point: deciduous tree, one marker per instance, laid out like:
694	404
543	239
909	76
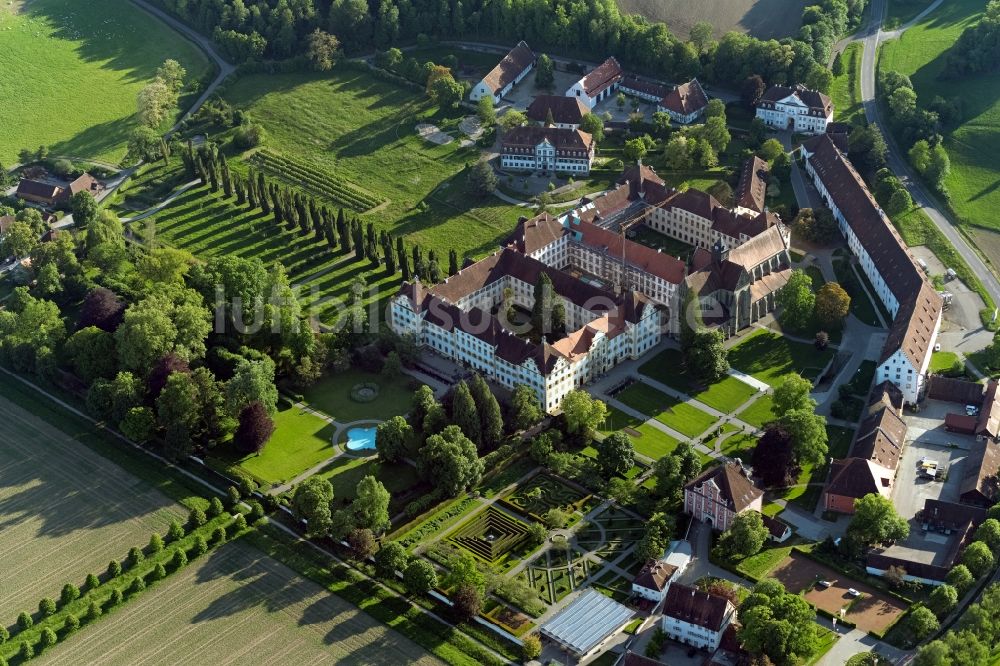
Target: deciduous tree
311	502
875	521
391	438
449	461
371	504
255	428
745	537
615	455
420	577
832	305
797	300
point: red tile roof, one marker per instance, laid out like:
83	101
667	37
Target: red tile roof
38	190
655	575
686	98
702	609
565	110
510	67
752	188
818	103
980	484
565	141
735	489
919	304
606	74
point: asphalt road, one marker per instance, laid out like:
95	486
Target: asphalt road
871	37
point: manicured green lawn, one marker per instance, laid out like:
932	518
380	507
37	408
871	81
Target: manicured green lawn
759	413
332	395
725	395
942	361
740	446
72	70
846	88
300	441
770	357
653	443
826	639
617	419
345	472
973	146
680	416
757	566
359	128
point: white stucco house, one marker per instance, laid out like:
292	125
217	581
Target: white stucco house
797	109
514	66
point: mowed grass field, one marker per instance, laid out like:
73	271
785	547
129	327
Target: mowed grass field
761	18
65	511
237	606
71	72
973	146
355	126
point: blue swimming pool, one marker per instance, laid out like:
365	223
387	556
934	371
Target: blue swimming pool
360	439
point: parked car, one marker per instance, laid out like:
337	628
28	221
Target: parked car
825	583
853	592
971	410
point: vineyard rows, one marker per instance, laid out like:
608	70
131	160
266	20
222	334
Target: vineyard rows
316	180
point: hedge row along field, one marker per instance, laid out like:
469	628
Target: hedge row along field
316	180
123	580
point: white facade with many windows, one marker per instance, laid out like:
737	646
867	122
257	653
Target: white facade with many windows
545	157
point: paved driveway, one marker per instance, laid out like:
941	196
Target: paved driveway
910	490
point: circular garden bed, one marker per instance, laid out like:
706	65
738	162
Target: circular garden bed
364	392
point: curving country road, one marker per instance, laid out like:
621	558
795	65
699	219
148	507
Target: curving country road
201	41
871	36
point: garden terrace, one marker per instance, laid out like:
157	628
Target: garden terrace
542	493
490	535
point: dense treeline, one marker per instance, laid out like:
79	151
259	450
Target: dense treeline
248	29
978	47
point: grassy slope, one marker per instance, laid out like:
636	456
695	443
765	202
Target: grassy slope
846	89
920	53
362	128
71	72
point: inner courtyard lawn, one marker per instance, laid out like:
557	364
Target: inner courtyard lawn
759	412
300	441
362	129
770	357
332	396
72	70
673	413
725	395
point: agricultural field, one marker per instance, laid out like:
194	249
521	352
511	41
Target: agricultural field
761	18
353	128
233	606
65	511
921	53
770	357
72	71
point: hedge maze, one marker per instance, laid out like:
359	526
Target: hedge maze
490	535
316	180
542	493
